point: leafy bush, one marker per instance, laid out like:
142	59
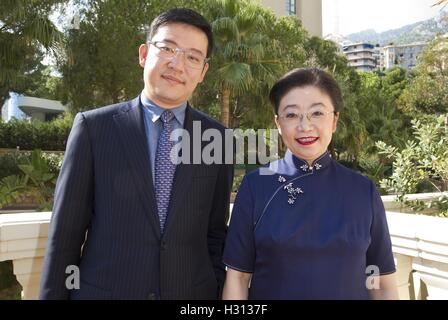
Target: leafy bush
9	161
374	167
424	160
36	178
54	161
36	135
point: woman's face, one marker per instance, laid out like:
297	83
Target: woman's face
306	121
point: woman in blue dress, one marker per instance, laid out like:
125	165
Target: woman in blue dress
307	227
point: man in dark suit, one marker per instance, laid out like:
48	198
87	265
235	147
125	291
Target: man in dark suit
137	225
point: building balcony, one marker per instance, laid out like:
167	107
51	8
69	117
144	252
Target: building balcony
367	64
38	108
351	57
419	243
359	49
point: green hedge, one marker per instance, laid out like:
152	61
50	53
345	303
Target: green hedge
36	135
9	162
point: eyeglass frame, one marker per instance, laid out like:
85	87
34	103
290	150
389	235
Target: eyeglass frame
176	51
307	115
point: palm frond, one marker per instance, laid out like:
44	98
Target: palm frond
236	76
440	2
225	29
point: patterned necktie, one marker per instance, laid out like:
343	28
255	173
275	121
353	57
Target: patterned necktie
164	167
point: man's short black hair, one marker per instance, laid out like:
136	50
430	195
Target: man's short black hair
186	16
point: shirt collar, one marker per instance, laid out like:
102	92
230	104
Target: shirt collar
156	111
303	166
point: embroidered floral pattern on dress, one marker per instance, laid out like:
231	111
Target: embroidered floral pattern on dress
293	193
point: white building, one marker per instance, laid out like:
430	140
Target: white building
378	55
22	107
10	108
360	56
405	56
308	11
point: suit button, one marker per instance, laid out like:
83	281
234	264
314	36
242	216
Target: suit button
152	296
163	245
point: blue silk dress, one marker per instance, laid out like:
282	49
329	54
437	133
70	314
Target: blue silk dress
308	232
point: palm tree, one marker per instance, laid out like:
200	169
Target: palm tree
441	2
245	58
24	28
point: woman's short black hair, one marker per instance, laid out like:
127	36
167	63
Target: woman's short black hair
186	16
306	77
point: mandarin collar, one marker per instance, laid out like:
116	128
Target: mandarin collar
321	162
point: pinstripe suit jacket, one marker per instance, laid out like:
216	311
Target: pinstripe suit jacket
105	219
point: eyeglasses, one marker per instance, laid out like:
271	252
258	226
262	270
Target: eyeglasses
193	59
314	117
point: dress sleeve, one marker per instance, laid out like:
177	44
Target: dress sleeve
239	251
379	252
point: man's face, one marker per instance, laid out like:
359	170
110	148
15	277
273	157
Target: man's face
169	82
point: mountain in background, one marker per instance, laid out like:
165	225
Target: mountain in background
419	31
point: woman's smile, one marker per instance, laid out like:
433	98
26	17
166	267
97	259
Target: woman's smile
306	141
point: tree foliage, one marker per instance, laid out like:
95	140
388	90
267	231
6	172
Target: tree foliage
35	178
25	31
246	59
424	159
100	64
428	92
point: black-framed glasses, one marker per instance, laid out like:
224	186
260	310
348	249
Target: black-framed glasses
193	59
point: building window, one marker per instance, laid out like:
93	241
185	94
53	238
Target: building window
290	7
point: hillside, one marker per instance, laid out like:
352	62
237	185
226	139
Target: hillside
419	31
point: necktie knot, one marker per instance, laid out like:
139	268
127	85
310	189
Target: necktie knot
167	116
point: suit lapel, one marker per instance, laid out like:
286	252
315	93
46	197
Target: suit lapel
130	125
184	172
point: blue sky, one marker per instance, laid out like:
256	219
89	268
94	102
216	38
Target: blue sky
380	15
